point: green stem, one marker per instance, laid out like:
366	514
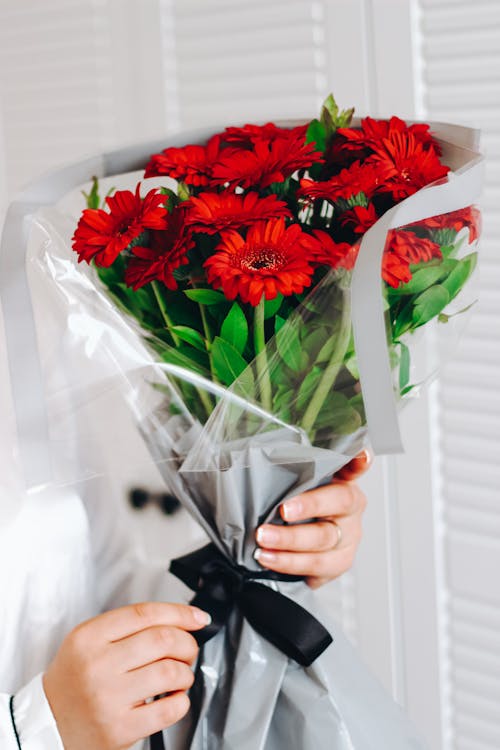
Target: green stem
259	339
208	337
327	379
164	311
205	400
204	396
206	327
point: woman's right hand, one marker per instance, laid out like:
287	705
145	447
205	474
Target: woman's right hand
107	667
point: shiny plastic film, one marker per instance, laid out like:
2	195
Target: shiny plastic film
246	387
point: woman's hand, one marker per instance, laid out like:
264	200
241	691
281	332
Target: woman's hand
107	667
312	549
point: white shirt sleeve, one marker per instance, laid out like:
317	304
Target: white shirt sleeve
30	717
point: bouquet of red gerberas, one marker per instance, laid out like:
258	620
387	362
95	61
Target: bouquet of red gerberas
259	294
223	266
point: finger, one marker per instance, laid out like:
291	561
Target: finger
310	537
119	623
165	676
337	499
329	564
152	644
153	717
356	467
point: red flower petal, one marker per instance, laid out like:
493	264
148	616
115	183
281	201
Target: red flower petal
268	162
404	165
358	178
272	259
101	236
190	164
168	250
212	212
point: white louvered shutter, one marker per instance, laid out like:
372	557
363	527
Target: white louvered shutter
55	84
70	85
239	60
461	55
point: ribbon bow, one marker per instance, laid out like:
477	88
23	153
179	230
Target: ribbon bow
221	585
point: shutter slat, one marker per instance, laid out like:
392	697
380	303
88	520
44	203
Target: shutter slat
56	83
248	61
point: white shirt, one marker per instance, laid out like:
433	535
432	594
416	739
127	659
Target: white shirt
64	558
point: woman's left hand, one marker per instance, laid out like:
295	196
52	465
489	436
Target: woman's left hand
313	550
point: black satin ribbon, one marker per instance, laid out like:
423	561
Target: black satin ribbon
221	585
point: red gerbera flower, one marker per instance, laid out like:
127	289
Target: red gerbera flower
190	164
102	236
372	132
250	134
272	259
395	269
359	218
333	254
267	162
465	217
212	212
358	178
403	249
405	166
167	251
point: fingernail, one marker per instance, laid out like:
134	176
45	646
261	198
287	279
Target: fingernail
367	456
267	536
201	616
292	509
263	556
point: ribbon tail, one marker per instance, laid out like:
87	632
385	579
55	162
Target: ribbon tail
284	623
214	600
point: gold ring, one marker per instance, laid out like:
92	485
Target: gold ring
339	534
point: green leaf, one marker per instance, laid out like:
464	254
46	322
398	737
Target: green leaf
227	362
445	318
459	275
271	306
332	118
429	304
180	358
407	390
421	280
290	348
205	296
93	199
279	322
183	191
235	328
338	415
314	338
352	365
404	366
316	133
173	199
404	320
191	335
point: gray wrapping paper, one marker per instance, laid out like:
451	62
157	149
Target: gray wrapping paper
248	695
